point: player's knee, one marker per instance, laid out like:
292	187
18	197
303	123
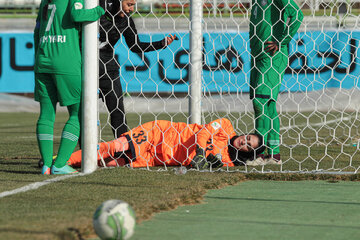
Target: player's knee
74	121
258	105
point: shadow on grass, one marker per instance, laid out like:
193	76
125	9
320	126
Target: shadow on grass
15	163
69	233
23	231
280	200
21	171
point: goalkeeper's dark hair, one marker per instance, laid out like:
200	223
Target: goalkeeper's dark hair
239	157
45	10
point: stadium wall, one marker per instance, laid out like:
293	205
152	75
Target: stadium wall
318	60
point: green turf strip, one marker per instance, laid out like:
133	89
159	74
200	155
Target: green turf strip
264	210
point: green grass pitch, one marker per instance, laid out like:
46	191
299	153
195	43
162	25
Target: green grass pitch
63	209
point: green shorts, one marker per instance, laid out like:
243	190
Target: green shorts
65	89
266	76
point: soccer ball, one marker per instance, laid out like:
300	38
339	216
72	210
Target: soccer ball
114	219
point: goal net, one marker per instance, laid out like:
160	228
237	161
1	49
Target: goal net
318	100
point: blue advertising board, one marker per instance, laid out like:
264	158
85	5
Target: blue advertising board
317	60
16	62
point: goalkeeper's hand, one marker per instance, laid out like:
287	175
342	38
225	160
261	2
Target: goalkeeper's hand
215	161
199	161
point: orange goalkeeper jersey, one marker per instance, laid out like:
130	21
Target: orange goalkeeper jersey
168	143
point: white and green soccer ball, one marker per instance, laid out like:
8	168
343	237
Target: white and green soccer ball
114	219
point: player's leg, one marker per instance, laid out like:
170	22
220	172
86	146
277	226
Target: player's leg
106	150
274	134
260	93
275	76
69	137
45	93
69	93
112	95
262	126
262	118
45	131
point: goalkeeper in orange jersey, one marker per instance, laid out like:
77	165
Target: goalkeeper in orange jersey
161	142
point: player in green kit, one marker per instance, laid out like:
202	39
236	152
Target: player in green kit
58	76
273	23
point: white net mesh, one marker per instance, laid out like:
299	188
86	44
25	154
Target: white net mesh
318	99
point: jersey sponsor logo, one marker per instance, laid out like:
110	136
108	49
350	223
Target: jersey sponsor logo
78	5
53	39
216	125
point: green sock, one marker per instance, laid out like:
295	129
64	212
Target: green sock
262	120
274	134
69	137
45	132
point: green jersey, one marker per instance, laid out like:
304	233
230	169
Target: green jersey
56	35
273	20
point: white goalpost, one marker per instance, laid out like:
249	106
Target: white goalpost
90	60
206	75
196	43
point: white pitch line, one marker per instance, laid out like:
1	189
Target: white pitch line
317	124
36	185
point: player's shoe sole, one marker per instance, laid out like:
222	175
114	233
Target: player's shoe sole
273	161
261	162
63	170
257	162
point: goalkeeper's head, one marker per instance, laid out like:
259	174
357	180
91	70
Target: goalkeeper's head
245	147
